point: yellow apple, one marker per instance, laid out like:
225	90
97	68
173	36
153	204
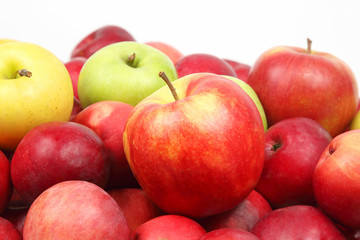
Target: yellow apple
6	40
35	87
355	122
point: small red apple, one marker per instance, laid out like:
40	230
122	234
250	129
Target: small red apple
200	63
76	109
74	66
100	38
5	182
241	69
229	234
169	50
8	230
174	227
57	151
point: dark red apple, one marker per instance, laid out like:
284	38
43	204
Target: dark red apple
57	151
136	206
74	210
229	234
8	230
5	182
241	69
100	38
202	62
74	67
292	149
174	227
108	119
297	222
243	216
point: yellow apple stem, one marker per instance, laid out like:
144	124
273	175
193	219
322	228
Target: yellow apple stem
131	59
309	45
22	73
168	82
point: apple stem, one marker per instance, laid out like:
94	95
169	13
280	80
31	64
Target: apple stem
131	59
22	73
167	81
309	45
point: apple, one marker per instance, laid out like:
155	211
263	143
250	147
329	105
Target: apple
336	179
241	69
296	82
174	227
125	72
244	216
76	109
173	53
297	222
100	38
203	62
355	122
5	182
212	129
292	149
62	151
35	87
75	210
136	206
74	66
8	230
6	40
229	234
252	94
107	119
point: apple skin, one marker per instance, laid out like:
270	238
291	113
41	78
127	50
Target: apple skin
292	149
355	122
203	62
136	206
107	119
298	220
108	76
26	102
244	216
75	210
5	182
336	179
241	69
63	151
172	147
174	227
74	66
100	38
293	83
76	109
229	234
173	53
8	230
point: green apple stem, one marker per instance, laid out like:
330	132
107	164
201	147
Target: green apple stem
168	82
131	59
22	73
309	45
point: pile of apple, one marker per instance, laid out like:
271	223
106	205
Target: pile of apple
130	140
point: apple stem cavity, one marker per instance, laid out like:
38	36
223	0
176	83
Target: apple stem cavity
168	82
131	60
309	45
23	73
275	147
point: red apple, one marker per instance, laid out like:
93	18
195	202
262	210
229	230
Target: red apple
8	230
76	109
292	149
201	62
295	82
242	70
174	227
336	180
5	182
74	210
244	216
169	50
107	119
74	66
100	38
57	151
16	217
136	206
201	154
229	234
297	222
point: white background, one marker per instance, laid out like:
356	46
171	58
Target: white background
238	30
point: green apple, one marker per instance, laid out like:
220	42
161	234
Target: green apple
35	87
124	71
252	94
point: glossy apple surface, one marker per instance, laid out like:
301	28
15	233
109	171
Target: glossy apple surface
172	147
110	75
5	182
229	234
337	179
8	230
173	53
100	38
74	66
241	69
291	82
292	149
63	151
74	210
42	92
203	62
